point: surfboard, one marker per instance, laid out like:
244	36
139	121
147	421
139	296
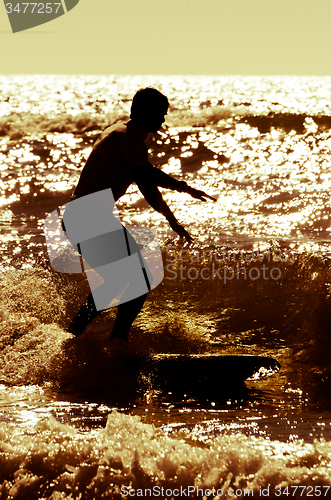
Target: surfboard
204	374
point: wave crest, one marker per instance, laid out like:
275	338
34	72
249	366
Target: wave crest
18	126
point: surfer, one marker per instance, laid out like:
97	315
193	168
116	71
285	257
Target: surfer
118	158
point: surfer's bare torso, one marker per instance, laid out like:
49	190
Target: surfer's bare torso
118	149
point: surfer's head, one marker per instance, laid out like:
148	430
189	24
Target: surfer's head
148	109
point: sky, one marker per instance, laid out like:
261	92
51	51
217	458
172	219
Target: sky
196	37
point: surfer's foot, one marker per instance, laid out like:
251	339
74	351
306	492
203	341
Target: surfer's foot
85	315
121	330
76	329
118	336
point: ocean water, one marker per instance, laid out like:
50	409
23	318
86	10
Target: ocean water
77	420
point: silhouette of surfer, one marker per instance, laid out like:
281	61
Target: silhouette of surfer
119	158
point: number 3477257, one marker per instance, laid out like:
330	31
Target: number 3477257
33	8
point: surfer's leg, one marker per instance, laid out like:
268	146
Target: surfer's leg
127	311
114	245
126	314
85	315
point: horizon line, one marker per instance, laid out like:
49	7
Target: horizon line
170	75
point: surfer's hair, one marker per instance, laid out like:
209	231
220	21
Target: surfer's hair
147	101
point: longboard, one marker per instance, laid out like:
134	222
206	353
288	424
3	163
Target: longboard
205	374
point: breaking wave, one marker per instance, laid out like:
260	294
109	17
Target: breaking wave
287	317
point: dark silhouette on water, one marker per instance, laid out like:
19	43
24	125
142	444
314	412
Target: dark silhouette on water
119	158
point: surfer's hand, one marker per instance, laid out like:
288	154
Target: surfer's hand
199	195
180	230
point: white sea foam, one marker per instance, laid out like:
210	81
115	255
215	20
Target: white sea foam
53	460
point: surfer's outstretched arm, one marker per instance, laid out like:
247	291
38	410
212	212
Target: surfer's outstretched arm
152	195
164	180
